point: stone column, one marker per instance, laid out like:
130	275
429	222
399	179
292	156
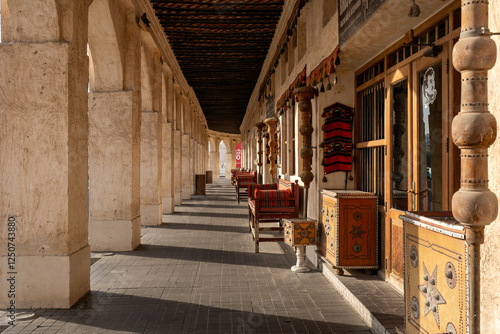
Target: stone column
151	129
474	131
168	189
178	146
44	168
229	159
186	149
214	161
114	136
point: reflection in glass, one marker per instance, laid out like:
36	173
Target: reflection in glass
400	145
430	139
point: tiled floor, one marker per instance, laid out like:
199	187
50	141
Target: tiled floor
197	273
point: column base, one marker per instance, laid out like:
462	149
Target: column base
301	266
186	192
151	214
178	198
114	235
46	281
168	205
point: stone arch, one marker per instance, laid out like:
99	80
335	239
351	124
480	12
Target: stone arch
106	72
212	142
223	162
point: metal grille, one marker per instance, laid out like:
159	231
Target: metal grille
371	160
371	170
372	112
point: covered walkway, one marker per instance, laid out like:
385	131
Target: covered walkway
197	273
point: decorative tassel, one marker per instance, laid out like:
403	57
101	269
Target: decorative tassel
314	82
322	89
325	179
328	85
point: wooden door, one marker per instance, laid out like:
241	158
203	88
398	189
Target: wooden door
418	163
398	168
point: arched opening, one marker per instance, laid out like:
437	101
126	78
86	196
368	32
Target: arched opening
222	159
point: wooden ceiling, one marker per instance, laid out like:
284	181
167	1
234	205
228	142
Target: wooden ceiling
220	46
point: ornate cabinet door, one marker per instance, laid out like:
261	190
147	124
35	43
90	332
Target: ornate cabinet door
435	255
349	229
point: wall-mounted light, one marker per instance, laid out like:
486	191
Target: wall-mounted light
414	10
144	19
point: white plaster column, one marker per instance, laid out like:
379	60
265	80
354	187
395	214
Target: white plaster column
114	134
178	146
43	145
168	189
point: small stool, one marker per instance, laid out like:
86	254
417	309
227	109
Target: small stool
300	232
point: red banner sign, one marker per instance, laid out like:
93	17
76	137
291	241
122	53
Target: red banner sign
238	155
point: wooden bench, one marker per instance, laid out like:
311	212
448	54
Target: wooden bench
243	180
270	203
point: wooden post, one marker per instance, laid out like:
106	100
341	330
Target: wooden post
473	131
259	126
271	129
303	96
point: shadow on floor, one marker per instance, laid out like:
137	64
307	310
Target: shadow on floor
205	227
211	206
210	214
137	314
190	254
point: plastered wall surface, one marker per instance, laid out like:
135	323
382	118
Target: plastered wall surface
43	109
490	263
110	149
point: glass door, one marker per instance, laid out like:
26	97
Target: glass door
431	132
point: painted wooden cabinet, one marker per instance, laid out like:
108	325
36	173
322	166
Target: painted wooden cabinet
435	257
348	230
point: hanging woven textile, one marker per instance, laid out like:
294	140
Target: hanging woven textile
337	144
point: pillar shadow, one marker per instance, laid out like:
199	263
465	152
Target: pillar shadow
130	313
268	260
205	227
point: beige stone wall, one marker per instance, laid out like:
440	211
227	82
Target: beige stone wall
490	267
316	40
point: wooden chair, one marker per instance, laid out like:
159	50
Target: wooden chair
270	203
233	174
243	181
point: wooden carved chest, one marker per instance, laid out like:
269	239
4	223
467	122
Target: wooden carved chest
348	229
435	255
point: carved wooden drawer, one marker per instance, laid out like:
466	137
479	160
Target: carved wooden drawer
299	231
348	229
435	255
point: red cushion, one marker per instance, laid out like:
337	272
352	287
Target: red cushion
278	210
244	177
275	198
252	191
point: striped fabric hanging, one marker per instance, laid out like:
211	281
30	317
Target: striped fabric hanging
337	144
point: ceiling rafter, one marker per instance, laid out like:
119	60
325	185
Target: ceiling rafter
220	46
